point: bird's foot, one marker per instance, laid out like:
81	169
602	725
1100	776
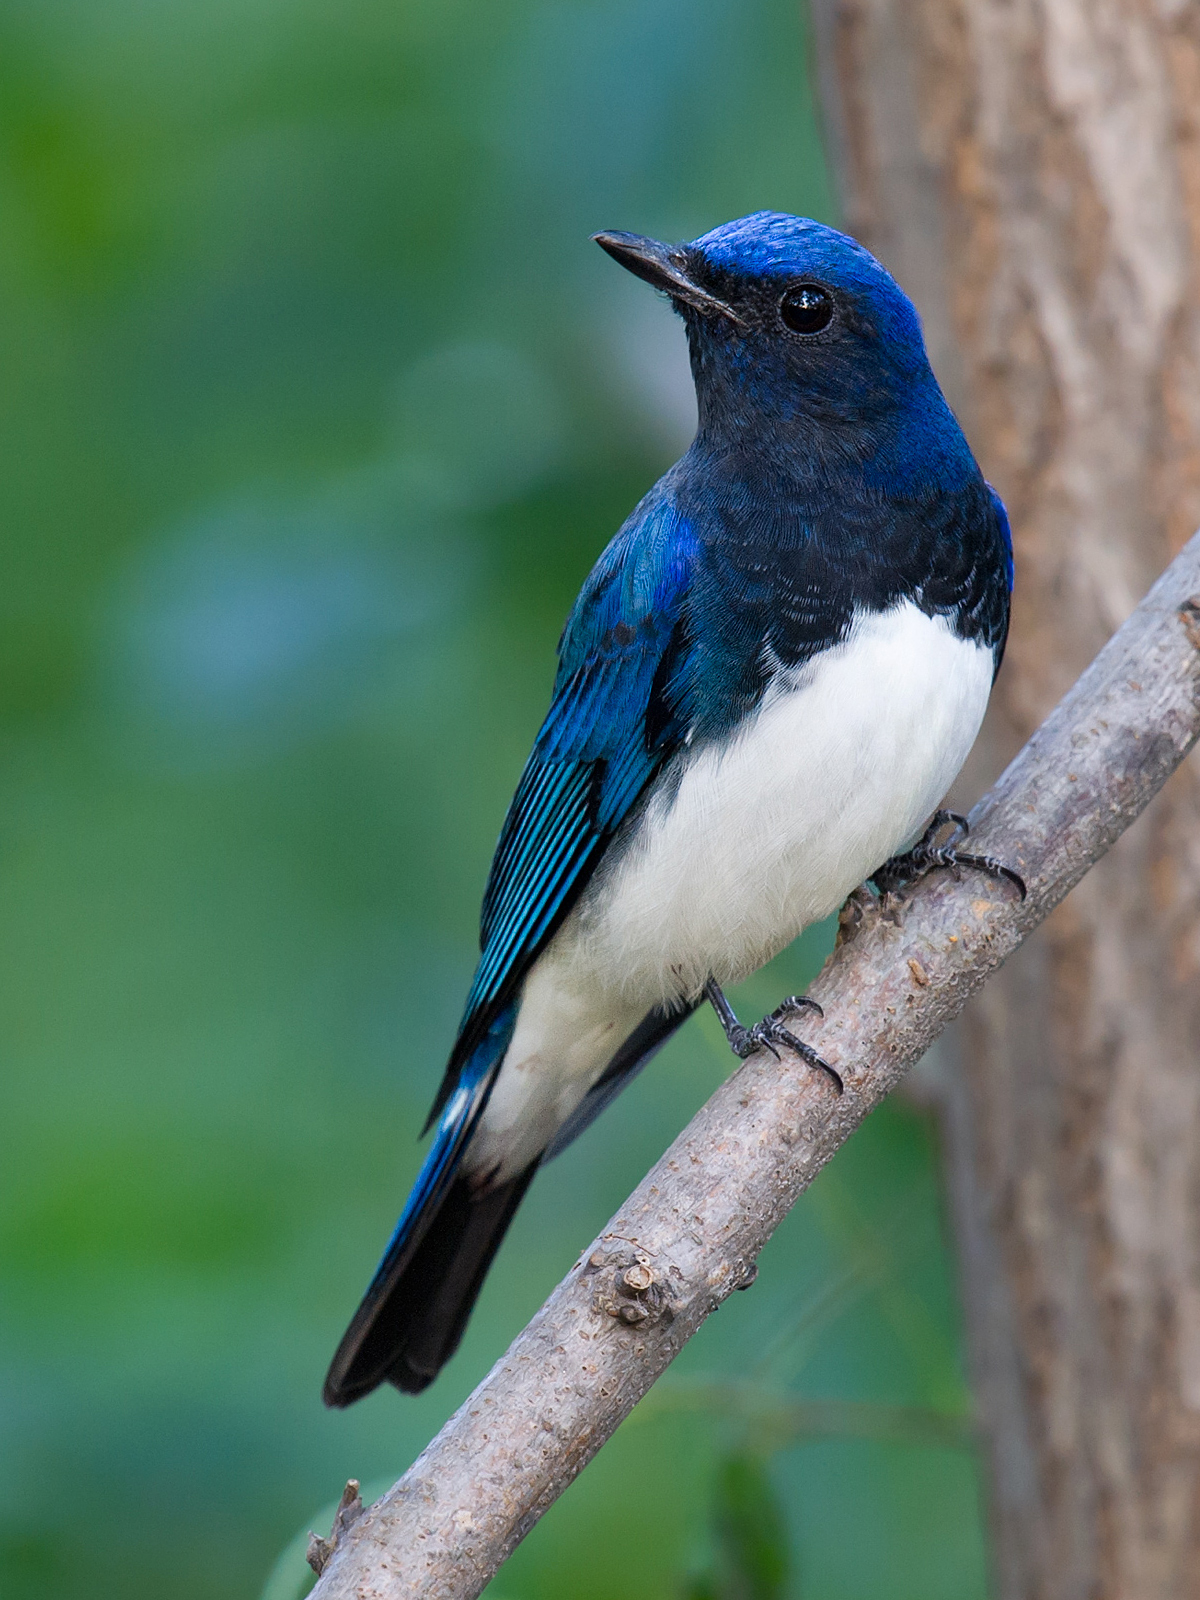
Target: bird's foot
770	1031
925	855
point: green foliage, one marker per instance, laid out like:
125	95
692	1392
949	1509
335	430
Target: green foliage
750	1529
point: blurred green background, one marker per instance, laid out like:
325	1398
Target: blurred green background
317	405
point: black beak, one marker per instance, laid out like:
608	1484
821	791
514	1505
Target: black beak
665	266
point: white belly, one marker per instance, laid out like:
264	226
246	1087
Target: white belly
759	838
833	774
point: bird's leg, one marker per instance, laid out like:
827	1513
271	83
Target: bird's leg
925	855
770	1031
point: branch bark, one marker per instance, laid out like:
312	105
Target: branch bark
689	1234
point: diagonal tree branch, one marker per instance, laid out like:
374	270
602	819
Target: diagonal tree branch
689	1234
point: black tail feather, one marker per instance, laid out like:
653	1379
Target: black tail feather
410	1322
412	1316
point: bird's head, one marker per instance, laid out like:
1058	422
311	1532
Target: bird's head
789	320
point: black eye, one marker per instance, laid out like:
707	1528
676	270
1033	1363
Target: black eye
806	308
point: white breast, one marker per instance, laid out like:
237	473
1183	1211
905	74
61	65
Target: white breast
834	773
760	836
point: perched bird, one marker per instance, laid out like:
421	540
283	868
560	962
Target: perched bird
769	680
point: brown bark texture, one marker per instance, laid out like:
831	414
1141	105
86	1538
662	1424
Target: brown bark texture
1030	170
690	1233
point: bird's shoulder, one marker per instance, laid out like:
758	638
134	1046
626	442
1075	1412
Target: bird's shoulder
639	581
622	650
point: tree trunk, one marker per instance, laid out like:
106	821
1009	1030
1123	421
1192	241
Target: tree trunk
1030	169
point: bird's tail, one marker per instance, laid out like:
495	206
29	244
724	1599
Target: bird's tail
412	1317
416	1306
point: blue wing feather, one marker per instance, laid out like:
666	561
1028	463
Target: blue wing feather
458	1122
618	713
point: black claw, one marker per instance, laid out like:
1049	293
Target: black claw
925	855
768	1033
760	1039
993	868
796	1002
804	1051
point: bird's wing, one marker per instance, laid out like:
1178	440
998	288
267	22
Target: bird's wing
618	714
